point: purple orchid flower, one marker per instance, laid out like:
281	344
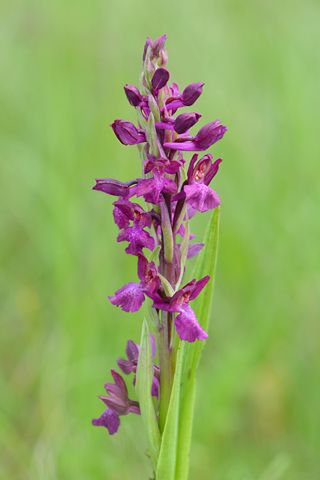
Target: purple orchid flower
130	365
162	164
151	188
186	323
196	190
131	296
207	136
125	211
138	239
188	97
118	403
175	196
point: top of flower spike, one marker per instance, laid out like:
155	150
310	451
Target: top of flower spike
155	46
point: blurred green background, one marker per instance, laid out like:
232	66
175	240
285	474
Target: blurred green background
63	68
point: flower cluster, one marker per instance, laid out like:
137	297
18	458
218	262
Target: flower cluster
172	195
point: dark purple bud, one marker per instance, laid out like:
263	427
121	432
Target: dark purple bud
209	134
126	132
160	78
149	42
158	45
191	93
112	187
185	121
133	95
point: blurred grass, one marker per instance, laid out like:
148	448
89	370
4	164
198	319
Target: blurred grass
63	66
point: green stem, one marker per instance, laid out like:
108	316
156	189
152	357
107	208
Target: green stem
165	369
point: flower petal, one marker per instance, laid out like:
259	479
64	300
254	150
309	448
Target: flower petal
130	297
108	419
188	327
201	197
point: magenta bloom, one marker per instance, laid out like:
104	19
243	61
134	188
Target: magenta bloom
137	238
125	211
189	96
151	188
186	323
207	136
196	190
132	295
118	403
173	190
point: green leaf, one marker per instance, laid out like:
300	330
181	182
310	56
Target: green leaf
154	256
166	286
168	451
151	135
143	390
205	265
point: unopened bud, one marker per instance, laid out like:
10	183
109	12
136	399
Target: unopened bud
158	45
209	134
126	132
160	78
133	95
185	121
191	93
